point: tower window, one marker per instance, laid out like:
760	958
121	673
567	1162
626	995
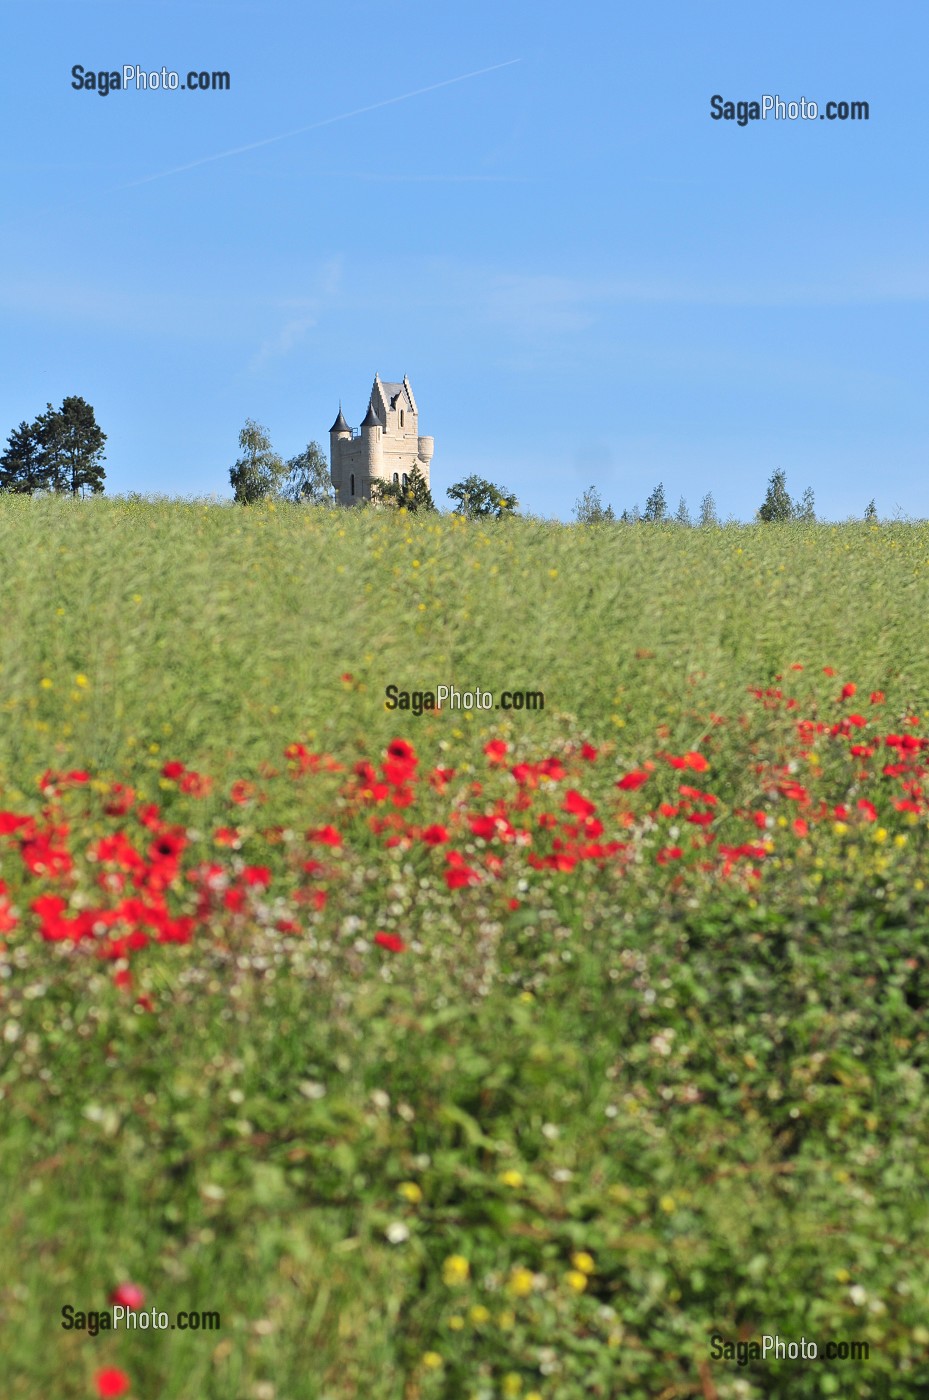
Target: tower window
396	479
353	483
401	418
405	479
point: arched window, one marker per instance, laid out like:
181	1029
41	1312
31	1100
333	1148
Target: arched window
396	479
353	483
405	479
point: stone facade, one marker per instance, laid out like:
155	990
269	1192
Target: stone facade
385	448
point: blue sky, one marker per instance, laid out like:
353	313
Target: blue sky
586	278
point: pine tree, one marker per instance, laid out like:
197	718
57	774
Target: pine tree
708	514
777	504
414	495
72	447
871	512
656	508
682	515
22	468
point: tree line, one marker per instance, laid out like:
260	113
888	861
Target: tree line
62	451
776	506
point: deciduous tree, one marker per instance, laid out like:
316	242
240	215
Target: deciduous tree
478	499
589	509
259	472
308	478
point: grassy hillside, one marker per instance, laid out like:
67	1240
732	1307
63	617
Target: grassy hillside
504	1053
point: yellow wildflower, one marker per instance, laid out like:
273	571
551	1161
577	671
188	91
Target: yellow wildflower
455	1270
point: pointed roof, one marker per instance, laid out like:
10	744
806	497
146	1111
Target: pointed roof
340	425
371	419
394	394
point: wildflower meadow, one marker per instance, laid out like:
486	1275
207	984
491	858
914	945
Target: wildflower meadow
544	1053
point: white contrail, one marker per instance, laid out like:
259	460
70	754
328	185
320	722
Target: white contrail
314	126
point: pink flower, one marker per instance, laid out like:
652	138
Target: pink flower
128	1295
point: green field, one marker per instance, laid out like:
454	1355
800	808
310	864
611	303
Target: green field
639	1056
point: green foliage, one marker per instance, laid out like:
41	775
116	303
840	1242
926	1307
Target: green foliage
22	468
61	451
308	479
412	495
656	508
478	499
777	505
589	509
259	473
805	508
682	515
708	514
871	512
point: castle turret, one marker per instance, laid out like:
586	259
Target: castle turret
338	433
425	447
371	449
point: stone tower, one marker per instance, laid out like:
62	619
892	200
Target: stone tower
385	448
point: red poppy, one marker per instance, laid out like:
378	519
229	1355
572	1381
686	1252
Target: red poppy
578	805
128	1295
668	853
588	752
435	835
196	784
256	875
460	876
848	690
174	769
398	771
402	750
496	750
391	942
325	836
111	1384
633	780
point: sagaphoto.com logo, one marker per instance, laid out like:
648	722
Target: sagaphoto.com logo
133	78
760	109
